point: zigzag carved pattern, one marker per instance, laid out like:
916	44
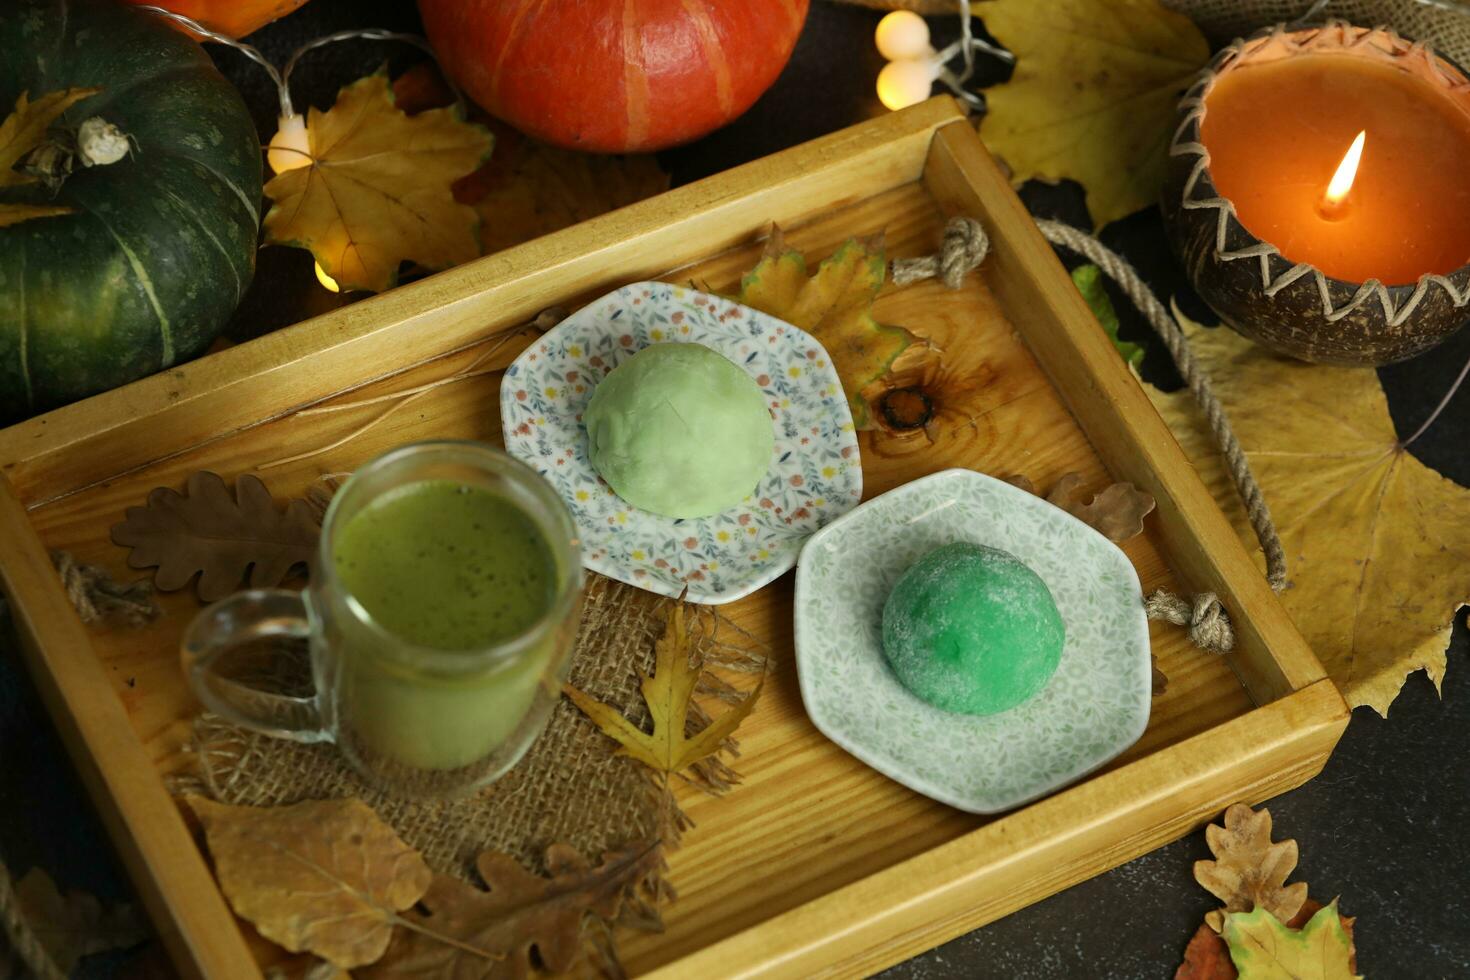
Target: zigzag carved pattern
1337	35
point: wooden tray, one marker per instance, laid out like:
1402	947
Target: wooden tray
815	864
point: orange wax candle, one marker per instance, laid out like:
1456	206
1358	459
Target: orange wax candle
1277	131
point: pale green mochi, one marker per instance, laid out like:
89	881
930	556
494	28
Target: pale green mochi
679	430
972	630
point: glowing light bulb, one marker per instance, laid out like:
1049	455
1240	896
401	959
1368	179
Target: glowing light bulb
290	148
326	280
1334	202
902	35
905	83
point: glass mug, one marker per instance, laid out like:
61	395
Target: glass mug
415	720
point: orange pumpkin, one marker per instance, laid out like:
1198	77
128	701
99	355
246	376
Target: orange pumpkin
233	17
614	76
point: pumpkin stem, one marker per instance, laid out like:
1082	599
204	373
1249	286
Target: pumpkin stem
95	143
99	142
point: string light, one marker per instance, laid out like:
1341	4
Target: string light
906	82
290	147
326	280
902	35
914	66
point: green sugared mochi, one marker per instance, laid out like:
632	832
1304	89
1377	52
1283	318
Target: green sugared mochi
679	430
972	630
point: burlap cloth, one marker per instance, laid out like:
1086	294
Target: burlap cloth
570	787
1443	24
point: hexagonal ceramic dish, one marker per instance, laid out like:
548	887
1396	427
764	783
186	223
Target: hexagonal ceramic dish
815	475
1094	706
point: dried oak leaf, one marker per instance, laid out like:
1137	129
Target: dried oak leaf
527	188
460	932
208	531
1376	542
76	924
1117	512
376	190
1249	871
1092	96
835	305
1262	948
326	877
20	133
1207	957
667	749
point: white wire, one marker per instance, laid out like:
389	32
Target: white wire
368	34
240	46
282	79
966	46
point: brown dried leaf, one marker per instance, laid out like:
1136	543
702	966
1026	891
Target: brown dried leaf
1022	483
1249	871
465	933
220	536
1160	679
76	924
1207	957
668	749
1117	512
326	877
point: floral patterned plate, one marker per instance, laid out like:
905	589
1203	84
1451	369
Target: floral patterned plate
1094	706
815	473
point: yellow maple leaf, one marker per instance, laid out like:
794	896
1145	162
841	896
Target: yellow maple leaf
14	214
1263	949
667	749
1093	94
23	130
377	189
1377	544
835	306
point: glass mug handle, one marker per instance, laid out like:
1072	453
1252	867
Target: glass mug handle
257	614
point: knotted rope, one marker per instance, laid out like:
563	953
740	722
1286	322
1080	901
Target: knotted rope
98	597
965	247
1209	624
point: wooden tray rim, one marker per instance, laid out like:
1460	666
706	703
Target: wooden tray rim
175	881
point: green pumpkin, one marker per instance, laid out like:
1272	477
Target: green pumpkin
162	243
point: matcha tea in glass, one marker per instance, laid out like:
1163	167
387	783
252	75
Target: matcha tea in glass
440	618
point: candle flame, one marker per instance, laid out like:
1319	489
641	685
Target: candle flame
1342	181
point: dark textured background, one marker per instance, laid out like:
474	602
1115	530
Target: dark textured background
1385	826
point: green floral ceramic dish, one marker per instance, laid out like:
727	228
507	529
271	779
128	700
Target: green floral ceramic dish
1092	709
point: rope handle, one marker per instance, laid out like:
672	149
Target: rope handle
965	246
